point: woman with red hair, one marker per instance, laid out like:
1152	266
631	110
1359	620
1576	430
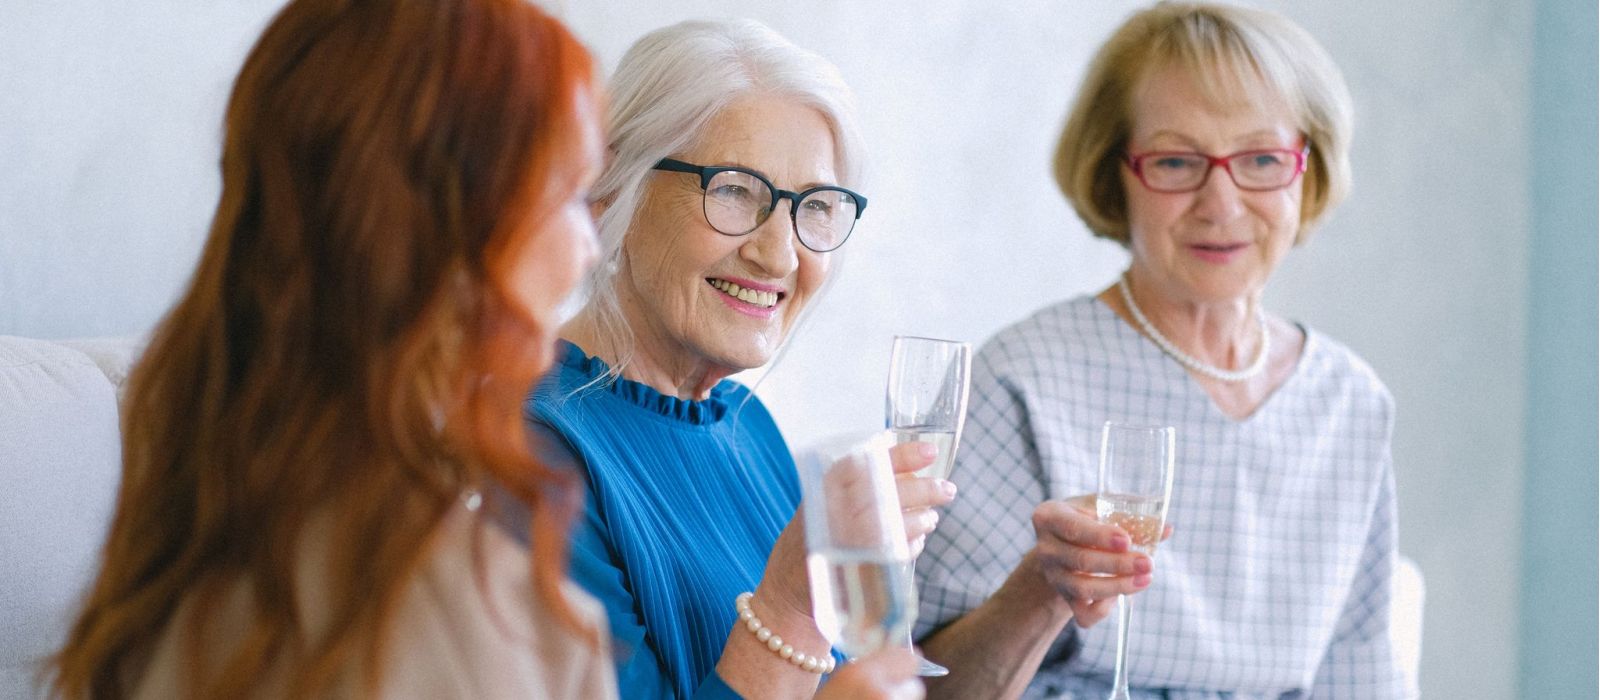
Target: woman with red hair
403	209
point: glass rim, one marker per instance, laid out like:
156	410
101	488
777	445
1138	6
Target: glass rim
900	336
1143	427
849	441
815	461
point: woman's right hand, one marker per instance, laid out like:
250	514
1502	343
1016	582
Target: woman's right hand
890	674
1088	562
786	582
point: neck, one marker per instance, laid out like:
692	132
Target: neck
667	367
1224	333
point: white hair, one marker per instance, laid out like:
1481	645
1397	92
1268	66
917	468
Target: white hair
667	88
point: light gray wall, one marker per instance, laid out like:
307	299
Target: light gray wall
109	127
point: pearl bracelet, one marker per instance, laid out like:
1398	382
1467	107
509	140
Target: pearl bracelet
813	664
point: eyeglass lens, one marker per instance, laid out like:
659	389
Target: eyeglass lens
1258	170
737	202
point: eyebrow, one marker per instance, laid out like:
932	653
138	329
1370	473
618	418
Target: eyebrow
803	186
1190	142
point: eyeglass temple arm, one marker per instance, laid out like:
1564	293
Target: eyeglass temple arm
677	166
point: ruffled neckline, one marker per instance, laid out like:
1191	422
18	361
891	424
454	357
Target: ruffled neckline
704	412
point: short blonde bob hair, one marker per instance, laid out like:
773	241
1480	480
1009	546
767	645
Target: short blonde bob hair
1236	56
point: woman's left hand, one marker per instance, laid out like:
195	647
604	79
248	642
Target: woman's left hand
919	495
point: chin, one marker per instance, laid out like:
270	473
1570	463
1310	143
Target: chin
744	354
751	359
1219	287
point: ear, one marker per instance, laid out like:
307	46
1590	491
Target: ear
599	206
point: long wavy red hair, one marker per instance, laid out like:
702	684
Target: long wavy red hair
347	348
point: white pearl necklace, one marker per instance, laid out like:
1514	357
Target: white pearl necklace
1188	360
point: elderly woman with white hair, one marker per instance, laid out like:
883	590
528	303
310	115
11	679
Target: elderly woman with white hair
721	212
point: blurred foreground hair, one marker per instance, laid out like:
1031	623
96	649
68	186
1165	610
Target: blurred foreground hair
347	352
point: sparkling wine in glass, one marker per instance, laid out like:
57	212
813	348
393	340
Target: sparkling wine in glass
856	543
1136	465
927	402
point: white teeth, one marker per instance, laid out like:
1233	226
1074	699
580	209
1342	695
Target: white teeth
748	296
758	298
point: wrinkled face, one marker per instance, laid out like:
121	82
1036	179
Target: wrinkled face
558	248
1220	242
698	296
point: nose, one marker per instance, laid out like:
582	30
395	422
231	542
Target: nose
1218	198
771	247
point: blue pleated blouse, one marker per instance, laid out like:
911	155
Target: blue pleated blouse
685	500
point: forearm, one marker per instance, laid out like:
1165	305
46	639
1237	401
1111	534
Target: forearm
995	650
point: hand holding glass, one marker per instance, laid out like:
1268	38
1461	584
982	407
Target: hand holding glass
927	402
1136	466
856	543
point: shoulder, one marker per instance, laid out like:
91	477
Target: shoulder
572	407
466	623
745	407
471	622
1049	336
1336	368
1341	385
569	385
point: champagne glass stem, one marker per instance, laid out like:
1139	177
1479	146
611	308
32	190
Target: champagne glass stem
1119	686
925	668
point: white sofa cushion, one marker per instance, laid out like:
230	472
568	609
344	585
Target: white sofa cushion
60	462
114	356
1405	615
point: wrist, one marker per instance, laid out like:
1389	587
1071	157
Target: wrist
780	613
820	661
751	667
1028	586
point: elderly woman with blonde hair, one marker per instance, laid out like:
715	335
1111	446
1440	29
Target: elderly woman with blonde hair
1208	141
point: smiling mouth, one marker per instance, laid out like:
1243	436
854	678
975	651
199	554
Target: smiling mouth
765	300
1219	247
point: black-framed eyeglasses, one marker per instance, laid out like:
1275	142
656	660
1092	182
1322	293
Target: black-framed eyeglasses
739	200
1185	171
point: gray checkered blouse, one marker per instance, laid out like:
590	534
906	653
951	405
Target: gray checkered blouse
1275	583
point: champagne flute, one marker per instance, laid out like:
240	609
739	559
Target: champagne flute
1136	466
856	542
927	402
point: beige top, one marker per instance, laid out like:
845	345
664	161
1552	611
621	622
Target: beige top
448	638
